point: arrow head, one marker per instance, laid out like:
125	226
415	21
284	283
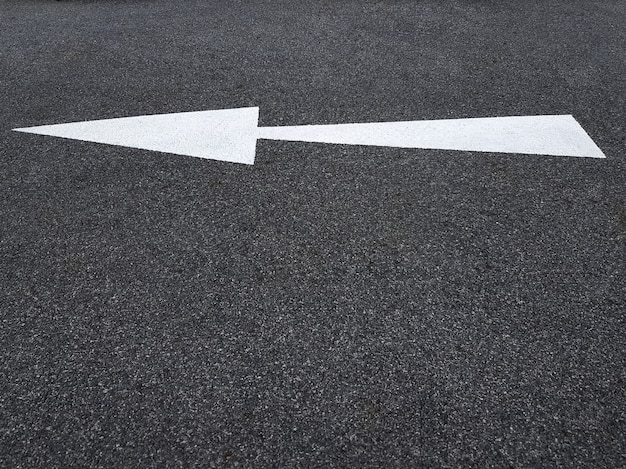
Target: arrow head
225	135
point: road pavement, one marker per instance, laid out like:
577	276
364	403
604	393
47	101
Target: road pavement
331	305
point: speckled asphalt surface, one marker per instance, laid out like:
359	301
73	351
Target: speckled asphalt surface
330	306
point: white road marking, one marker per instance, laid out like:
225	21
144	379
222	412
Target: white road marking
225	135
231	134
533	135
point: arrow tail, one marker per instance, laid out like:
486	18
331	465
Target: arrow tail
557	135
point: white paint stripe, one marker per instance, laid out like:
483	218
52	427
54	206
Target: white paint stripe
537	135
231	134
225	135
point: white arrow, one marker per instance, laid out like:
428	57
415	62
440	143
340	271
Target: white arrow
231	134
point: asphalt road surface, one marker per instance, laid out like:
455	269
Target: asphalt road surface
332	305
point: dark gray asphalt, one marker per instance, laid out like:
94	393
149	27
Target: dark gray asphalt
331	306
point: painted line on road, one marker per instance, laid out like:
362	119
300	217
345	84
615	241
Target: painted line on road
231	134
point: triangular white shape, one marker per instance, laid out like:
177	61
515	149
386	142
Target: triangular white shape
226	135
557	135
